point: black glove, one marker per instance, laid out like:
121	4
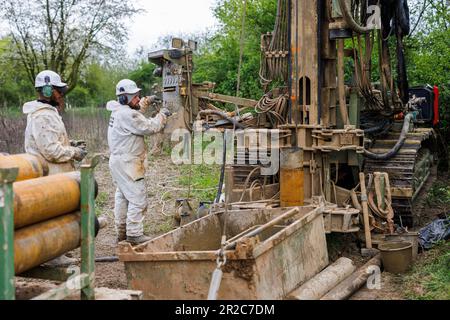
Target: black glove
154	99
166	112
80	154
78	144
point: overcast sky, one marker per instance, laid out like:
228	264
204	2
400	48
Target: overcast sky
164	17
172	17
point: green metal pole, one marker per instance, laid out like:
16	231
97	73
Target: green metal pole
88	227
7	273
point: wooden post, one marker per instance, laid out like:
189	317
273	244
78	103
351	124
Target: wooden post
383	192
365	205
7	273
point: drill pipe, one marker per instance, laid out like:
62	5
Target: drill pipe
46	241
45	198
30	167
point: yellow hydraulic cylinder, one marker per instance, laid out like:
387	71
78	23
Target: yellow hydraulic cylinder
292	177
30	167
46	241
45	198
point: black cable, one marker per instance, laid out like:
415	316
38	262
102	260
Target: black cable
222	172
223	116
393	152
377	128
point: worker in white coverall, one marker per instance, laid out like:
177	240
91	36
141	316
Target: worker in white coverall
46	136
127	129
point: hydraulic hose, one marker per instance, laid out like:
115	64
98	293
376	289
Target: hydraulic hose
349	19
222	115
380	127
392	153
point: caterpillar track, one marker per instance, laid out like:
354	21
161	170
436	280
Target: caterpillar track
408	171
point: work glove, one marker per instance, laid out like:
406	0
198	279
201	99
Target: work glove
146	102
78	144
166	112
155	99
80	154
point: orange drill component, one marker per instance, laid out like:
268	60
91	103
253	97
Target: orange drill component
292	177
30	167
45	198
46	241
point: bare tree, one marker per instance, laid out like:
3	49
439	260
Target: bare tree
61	34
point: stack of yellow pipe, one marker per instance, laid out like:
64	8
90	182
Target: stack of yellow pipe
46	213
30	167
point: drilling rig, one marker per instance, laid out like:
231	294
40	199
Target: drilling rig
335	124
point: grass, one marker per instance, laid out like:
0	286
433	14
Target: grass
101	203
204	183
430	277
439	194
162	227
89	112
81	112
12	113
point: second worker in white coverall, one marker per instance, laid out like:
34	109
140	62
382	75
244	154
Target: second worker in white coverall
46	136
128	128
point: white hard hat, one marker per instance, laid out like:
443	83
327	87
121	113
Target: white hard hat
127	87
49	77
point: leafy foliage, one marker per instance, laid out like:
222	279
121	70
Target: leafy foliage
62	35
439	195
429	55
218	60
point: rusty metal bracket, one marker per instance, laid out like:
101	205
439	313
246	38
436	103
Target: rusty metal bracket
348	139
341	220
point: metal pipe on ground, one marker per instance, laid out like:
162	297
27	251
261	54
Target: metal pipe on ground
45	198
30	167
318	286
356	281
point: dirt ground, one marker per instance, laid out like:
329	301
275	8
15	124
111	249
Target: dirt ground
392	285
163	189
162	178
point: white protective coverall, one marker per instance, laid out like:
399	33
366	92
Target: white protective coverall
46	137
127	129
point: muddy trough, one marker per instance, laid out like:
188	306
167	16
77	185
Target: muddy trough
269	266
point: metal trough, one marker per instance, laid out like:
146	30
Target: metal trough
179	265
